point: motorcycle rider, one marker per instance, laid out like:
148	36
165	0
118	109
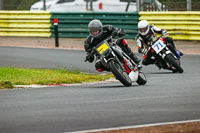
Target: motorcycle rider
147	34
98	33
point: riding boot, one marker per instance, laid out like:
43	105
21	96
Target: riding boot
174	51
178	53
172	47
135	58
181	53
124	46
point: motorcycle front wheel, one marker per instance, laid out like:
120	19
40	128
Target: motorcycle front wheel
121	75
170	59
142	80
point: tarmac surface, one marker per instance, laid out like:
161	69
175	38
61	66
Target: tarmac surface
187	47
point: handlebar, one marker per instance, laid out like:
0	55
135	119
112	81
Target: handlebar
94	48
153	41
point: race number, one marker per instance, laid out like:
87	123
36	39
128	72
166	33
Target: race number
101	49
158	46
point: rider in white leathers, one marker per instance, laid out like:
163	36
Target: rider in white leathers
147	34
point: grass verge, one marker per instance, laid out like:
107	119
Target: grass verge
20	76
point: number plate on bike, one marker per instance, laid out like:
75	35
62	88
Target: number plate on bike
103	47
158	46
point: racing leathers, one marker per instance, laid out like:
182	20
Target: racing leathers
107	30
145	41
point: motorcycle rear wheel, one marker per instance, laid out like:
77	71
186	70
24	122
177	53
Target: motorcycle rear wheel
169	58
121	75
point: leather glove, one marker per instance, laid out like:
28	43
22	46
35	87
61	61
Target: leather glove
140	50
89	58
121	33
114	33
164	32
152	39
143	51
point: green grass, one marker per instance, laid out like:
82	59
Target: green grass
21	76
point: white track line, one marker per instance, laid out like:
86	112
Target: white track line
137	126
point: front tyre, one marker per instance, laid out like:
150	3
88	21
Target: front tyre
142	80
170	59
121	75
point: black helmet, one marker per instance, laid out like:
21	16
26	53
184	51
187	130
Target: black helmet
95	27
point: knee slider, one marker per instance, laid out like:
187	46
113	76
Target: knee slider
98	65
144	62
122	42
125	42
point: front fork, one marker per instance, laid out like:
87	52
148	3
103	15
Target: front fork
163	55
167	51
115	58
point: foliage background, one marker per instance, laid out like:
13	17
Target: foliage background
18	4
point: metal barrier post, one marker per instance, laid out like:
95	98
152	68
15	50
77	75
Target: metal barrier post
56	32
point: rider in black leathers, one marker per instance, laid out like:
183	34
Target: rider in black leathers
147	33
98	33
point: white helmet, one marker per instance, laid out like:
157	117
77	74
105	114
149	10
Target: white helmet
143	27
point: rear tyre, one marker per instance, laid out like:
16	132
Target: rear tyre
170	59
121	75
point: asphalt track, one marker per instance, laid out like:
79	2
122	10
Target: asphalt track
167	97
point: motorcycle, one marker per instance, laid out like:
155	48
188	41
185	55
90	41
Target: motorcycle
165	58
119	63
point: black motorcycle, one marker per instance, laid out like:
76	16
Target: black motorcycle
119	63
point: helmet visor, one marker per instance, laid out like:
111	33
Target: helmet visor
142	30
94	31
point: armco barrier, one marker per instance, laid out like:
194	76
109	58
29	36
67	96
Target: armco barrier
76	24
180	25
25	23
